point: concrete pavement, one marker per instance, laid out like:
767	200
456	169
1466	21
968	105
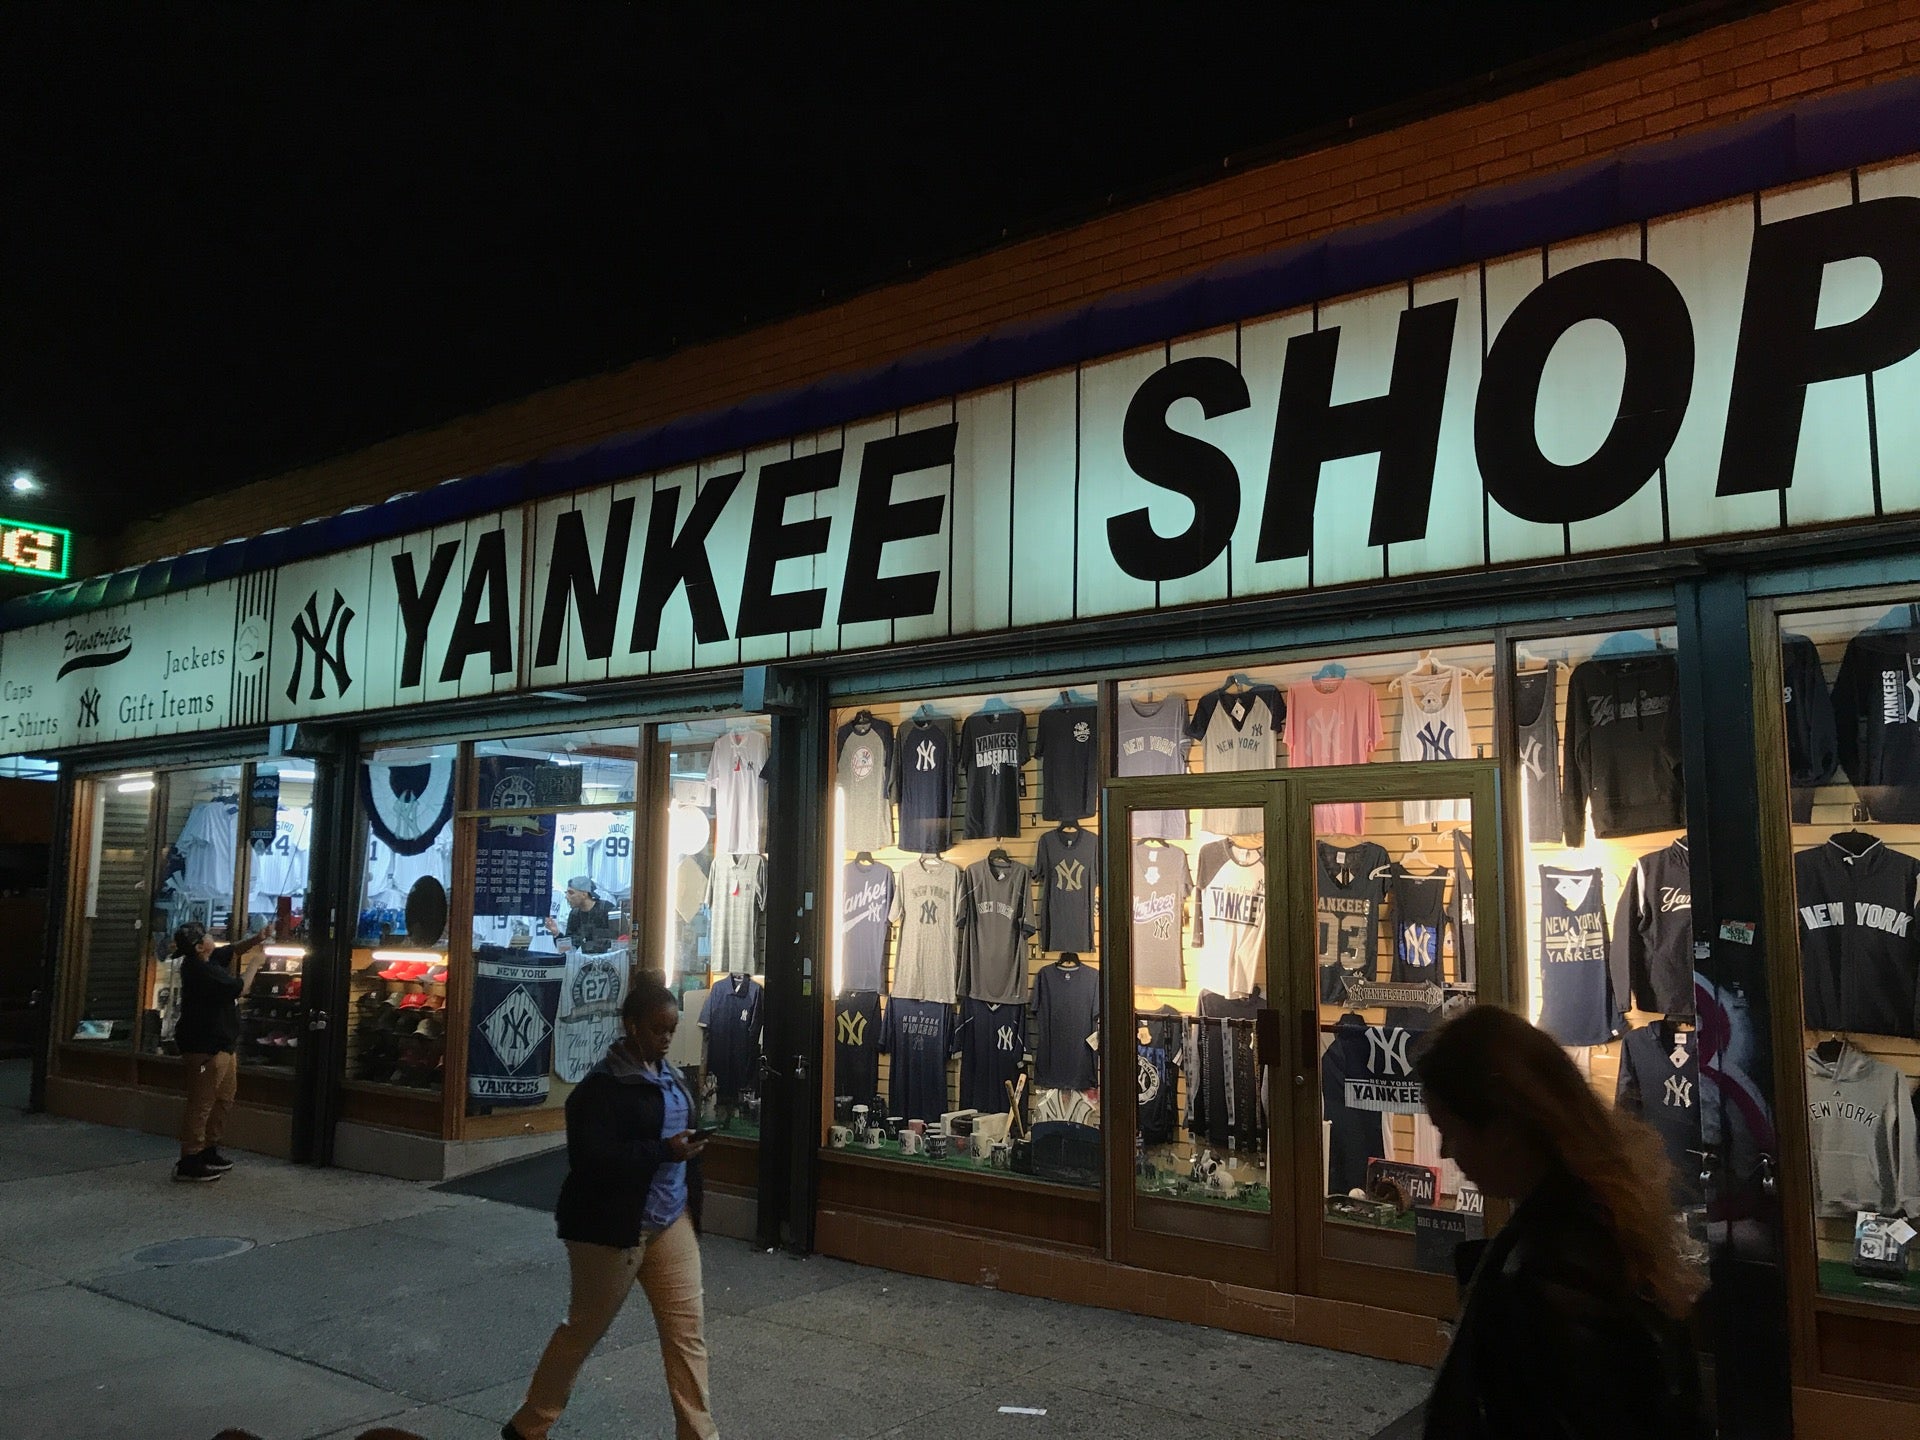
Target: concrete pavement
361	1300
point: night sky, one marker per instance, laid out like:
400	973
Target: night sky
240	238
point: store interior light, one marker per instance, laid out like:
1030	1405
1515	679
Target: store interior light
285	952
296	774
382	957
134	787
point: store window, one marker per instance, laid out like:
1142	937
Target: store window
398	986
111	984
1851	714
1393	919
198	856
1606	867
712	900
276	814
967	989
554	937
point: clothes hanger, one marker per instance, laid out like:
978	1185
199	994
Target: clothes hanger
1069	827
925	713
1070	697
1068	960
1831	1049
863	857
1332	670
998	856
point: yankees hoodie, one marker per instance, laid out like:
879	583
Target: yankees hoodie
1860	1119
1876	715
1622	748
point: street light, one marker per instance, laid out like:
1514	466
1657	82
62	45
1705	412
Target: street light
23	482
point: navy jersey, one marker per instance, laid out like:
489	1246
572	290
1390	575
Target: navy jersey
993	747
856	1044
992	1040
1366	1074
1660	1083
1069	753
1066	1010
1576	991
1349	882
1158	1054
918	1037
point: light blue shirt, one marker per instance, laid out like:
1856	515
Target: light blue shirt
667	1200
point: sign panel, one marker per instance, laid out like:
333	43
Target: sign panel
1748	368
30	548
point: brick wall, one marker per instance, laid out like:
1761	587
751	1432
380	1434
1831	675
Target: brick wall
1710	79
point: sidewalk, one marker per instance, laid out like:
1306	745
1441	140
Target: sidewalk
365	1300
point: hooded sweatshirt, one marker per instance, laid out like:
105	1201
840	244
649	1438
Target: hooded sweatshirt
1623	748
616	1123
1860	1119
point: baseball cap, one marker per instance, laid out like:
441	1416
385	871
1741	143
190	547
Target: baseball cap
582	882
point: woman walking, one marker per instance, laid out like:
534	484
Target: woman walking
1572	1324
629	1212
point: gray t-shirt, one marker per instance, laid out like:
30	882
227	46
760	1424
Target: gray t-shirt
1069	865
736	894
995	921
1153	741
926	906
865	775
1162	880
866	905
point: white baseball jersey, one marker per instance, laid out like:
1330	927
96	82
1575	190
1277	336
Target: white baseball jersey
206	844
739	794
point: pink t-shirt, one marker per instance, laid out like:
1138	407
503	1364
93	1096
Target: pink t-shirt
1340	726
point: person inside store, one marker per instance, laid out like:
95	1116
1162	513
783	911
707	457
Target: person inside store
629	1213
1574	1318
207	1032
589	918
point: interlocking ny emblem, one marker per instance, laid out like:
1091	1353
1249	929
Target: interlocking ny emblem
1004	1037
1416	945
923	755
1679	1092
90	706
929	912
1387	1051
515	1028
327	644
1069	875
1532	759
1436	740
852	1027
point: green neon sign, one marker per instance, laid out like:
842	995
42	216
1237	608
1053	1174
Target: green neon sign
29	548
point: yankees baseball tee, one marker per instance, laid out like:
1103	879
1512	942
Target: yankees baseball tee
856	1044
1069	755
1534	699
734	770
1067	862
1349	884
926	908
992	1040
731	1018
993	744
1660	1083
918	1038
1576	991
1230	920
864	775
923	784
1153	741
1162	880
866	908
1066	1013
995	922
1238	730
1336	725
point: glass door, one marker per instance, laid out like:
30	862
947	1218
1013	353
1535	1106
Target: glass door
1393	868
1286	941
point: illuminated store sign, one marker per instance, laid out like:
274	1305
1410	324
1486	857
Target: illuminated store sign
27	548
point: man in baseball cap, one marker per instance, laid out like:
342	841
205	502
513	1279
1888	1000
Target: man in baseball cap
589	918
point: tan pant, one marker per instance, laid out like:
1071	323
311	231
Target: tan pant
209	1096
667	1267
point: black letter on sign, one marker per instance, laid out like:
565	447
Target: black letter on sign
761	611
1643	305
878	521
1781	353
671	559
493	637
1403	425
1163	456
417	604
570	577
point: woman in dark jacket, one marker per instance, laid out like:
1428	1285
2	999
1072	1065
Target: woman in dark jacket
1571	1328
629	1213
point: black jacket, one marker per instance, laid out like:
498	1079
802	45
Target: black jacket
1622	747
1876	721
1859	940
1552	1346
1813	748
614	1146
209	1020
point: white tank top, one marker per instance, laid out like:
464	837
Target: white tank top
1433	726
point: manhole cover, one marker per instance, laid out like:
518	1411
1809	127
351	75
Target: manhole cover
193	1248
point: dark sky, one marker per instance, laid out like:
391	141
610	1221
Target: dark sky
238	238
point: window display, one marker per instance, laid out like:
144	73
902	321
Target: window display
1609	963
1852	730
966	988
278	816
712	891
114	814
200	818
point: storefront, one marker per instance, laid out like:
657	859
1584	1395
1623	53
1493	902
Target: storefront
1065	775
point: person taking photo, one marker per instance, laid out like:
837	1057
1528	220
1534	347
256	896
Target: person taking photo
207	1030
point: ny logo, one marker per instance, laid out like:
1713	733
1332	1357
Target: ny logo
1324	727
1069	875
929	912
852	1027
1387	1051
923	755
1436	740
1679	1092
327	644
1416	945
1004	1038
1533	759
90	706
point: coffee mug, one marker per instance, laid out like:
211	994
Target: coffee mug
912	1142
838	1136
936	1147
919	1127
